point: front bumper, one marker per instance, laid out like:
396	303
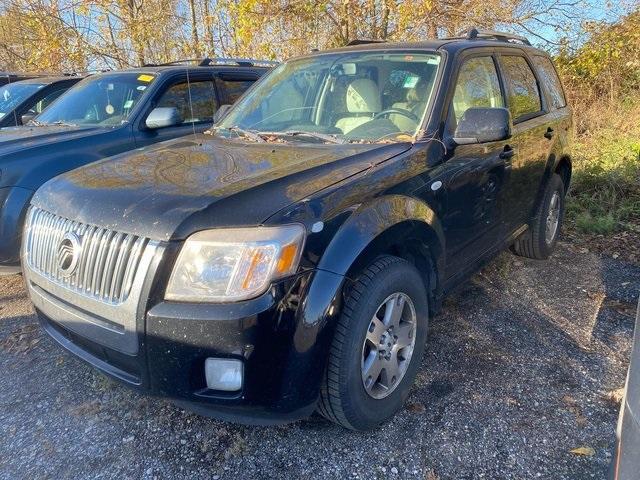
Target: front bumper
281	337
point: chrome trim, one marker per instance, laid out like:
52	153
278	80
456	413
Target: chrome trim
104	299
105	262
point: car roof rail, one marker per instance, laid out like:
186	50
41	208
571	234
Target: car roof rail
481	34
363	41
205	62
243	62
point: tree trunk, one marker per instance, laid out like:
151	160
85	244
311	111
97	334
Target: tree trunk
194	29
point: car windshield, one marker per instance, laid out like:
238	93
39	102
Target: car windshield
353	97
106	99
14	94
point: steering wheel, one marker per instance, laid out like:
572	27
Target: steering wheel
400	111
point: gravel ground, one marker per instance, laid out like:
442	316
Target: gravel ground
518	370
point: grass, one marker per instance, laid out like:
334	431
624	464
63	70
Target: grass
605	194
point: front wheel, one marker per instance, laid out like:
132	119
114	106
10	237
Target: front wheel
377	347
539	242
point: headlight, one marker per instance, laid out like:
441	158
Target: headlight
234	264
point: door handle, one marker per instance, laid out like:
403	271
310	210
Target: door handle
549	133
507	153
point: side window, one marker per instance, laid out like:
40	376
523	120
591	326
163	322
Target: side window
522	88
203	100
477	86
232	89
45	102
549	78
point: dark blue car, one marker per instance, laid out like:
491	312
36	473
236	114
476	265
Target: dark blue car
21	101
107	114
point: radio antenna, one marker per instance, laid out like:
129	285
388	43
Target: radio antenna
193	124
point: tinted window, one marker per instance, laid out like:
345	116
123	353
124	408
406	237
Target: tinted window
233	89
522	88
477	86
46	101
549	78
203	100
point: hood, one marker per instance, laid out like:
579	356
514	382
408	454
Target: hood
13	139
152	192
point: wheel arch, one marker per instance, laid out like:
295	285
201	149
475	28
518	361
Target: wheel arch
393	225
564	168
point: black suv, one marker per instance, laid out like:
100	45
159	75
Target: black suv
21	101
290	260
107	114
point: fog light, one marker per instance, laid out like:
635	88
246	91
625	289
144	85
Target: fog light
223	374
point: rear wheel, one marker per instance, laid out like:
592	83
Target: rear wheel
540	241
377	347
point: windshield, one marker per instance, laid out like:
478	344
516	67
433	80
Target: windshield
359	96
98	100
14	94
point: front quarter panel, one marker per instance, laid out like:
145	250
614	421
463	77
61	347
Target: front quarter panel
341	222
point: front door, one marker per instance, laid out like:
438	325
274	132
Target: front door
196	100
474	176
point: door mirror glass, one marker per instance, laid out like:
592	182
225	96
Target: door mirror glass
161	117
482	125
222	111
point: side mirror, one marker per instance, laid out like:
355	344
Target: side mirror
26	118
161	117
482	125
221	112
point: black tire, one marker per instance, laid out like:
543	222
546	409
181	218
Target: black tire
534	243
343	398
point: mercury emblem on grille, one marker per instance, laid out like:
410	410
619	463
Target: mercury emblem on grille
69	250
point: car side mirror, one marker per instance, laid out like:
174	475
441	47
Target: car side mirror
483	125
221	112
26	118
161	117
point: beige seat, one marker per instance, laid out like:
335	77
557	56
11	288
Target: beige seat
363	101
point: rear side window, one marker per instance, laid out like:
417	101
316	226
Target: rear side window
549	78
477	86
203	101
522	88
233	89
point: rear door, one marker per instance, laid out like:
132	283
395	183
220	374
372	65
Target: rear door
531	120
196	99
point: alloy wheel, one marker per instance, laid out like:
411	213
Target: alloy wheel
388	345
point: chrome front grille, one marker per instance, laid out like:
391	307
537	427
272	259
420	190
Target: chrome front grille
107	260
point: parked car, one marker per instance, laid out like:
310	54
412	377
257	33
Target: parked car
627	458
290	261
21	101
106	114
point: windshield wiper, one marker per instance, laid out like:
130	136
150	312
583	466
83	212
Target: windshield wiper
321	136
62	123
247	133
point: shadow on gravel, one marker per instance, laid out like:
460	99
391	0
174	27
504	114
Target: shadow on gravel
515	376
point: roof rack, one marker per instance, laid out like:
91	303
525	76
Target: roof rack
477	33
363	41
205	62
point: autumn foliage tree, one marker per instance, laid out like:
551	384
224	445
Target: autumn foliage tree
59	35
